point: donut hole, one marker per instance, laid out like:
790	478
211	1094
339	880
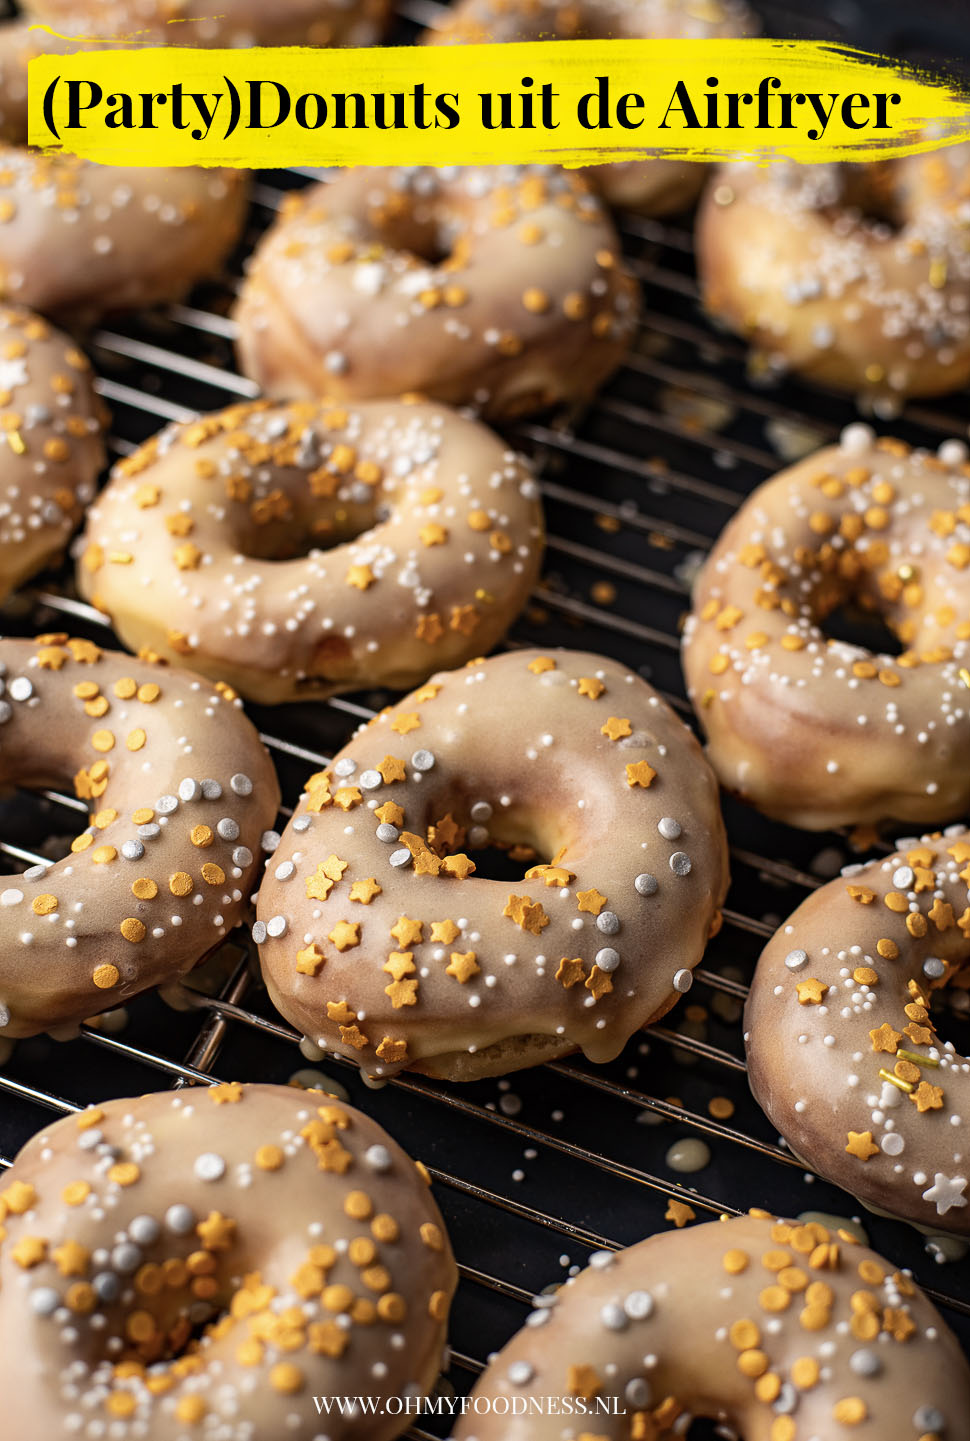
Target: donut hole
854	624
291	523
872	192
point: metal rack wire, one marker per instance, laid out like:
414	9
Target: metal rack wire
535	1171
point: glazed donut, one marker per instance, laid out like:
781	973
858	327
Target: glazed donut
779	1331
81	240
180	790
346	296
819	732
53	424
857	277
842	1051
652	187
376	942
234	23
206	1263
436	528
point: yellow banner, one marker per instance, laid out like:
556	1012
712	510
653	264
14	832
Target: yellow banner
575	102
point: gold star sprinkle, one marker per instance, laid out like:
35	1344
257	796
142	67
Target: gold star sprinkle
616	728
590	686
402	993
217	1232
226	1094
680	1213
463	966
860	1145
927	1097
311	960
399	964
640	773
365	891
811	992
405	722
590	901
444	931
570	972
542	663
885	1039
392	770
408	932
345	935
361	577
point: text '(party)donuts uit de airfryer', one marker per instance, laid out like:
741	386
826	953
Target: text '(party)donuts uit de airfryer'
378	940
209	545
208	1262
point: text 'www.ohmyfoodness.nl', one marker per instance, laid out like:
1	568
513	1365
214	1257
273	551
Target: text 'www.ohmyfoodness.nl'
356	1407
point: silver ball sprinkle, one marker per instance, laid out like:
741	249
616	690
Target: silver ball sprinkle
680	863
929	1418
241	785
607	959
865	1363
166	805
370	780
608	922
276	927
422	760
227	829
613	1317
481	811
259	932
189	790
144	1230
646	884
683	980
20	688
670	829
107	1286
180	1219
211	790
933	968
344	768
269	840
400	858
378	1158
387	833
242	856
638	1305
796	959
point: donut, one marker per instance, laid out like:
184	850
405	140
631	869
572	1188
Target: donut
652	187
843	1054
574	766
211	1263
230	23
856	277
180	791
779	1331
79	240
820	732
53	427
435	528
346	294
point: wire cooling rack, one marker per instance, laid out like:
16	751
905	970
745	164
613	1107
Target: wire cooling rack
535	1171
